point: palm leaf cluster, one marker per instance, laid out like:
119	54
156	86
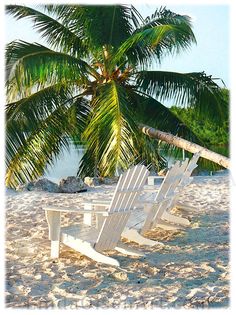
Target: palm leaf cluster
90	82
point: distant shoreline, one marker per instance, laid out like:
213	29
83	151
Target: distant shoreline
11	191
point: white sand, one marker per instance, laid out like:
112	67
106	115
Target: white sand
190	271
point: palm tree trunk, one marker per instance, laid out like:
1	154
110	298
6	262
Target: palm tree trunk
186	145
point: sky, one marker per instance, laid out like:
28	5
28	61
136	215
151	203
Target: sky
210	26
211	29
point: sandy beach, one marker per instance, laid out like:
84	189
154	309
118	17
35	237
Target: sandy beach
190	271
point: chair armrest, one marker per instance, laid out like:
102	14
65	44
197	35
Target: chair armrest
79	211
97	202
151	202
151	188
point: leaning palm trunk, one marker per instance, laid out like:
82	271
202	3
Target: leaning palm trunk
186	145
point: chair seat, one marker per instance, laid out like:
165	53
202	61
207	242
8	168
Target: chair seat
82	232
136	219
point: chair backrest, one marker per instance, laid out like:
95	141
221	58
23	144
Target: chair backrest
165	194
127	191
186	180
172	180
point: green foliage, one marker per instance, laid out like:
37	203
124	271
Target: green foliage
112	124
213	135
194	88
90	86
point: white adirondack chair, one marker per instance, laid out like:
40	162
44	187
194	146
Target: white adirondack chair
156	212
159	214
176	190
91	241
185	181
151	211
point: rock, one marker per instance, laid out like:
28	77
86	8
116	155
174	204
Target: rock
163	172
71	184
95	181
110	181
92	181
130	300
42	184
10	191
65	303
22	187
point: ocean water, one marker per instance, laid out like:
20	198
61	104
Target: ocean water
67	164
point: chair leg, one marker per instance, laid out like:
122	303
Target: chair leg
122	248
168	226
133	235
85	248
186	207
93	254
54	225
175	219
55	249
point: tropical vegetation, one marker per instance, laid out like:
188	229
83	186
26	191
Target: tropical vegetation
215	136
96	80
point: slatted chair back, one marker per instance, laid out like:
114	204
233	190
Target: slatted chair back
165	195
172	180
127	191
186	180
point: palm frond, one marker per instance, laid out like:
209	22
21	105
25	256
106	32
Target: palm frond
163	16
151	112
56	34
30	65
136	16
187	89
32	145
62	12
155	42
28	161
39	105
100	25
18	49
149	153
111	130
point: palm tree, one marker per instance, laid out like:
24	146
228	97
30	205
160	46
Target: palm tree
91	83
